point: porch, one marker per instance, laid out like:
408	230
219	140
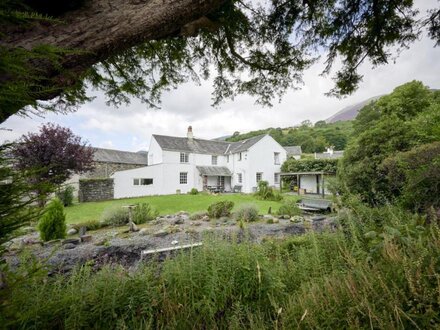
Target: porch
306	182
216	179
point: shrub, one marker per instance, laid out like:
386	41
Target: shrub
65	195
267	193
247	213
194	191
90	225
220	209
115	216
198	215
143	212
52	224
289	208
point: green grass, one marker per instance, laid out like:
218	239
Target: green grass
167	204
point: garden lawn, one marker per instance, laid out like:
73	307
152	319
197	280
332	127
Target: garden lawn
167	204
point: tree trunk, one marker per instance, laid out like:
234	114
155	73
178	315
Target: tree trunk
102	28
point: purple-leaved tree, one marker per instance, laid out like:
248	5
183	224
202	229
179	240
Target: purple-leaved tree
53	155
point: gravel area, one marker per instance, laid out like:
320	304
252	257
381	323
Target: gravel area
118	245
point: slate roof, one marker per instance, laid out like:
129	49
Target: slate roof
326	155
214	170
293	150
119	156
200	146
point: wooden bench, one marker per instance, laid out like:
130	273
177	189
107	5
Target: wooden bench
313	204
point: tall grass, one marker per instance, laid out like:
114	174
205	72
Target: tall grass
365	275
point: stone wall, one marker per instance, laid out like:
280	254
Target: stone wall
92	190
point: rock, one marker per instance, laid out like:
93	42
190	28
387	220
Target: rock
52	242
276	220
196	224
205	218
183	213
179	220
69	246
297	219
268	216
71	241
133	227
86	238
160	233
102	241
318	218
82	231
143	232
72	231
30	241
174	242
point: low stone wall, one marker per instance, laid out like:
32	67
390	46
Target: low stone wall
93	190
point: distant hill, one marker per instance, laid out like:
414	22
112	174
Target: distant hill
350	112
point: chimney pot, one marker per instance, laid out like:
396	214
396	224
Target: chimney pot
190	133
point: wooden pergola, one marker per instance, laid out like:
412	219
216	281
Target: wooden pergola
298	175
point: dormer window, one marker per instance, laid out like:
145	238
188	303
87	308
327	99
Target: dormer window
184	157
214	160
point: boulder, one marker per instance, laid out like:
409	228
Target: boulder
268	217
205	218
72	231
143	232
133	227
179	220
71	241
297	219
174	242
160	233
102	241
69	246
86	238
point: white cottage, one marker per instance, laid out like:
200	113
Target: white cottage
178	164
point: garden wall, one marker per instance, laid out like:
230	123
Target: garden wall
92	190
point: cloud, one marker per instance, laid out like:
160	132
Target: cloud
130	127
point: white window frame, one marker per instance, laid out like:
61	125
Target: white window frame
214	160
239	178
276	158
184	157
276	178
183	177
260	174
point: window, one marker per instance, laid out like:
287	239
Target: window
214	160
183	177
142	181
146	182
240	156
276	158
239	178
276	178
259	176
184	157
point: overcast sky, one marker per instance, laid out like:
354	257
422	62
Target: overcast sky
130	128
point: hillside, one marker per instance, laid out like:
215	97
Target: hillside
311	138
350	112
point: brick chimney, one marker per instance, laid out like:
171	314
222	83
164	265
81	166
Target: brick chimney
190	133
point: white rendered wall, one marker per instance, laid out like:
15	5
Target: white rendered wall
308	182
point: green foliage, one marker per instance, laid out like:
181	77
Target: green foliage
220	209
193	191
65	195
311	138
310	165
267	193
382	260
198	215
403	120
115	216
16	198
143	212
52	224
90	225
246	213
289	208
